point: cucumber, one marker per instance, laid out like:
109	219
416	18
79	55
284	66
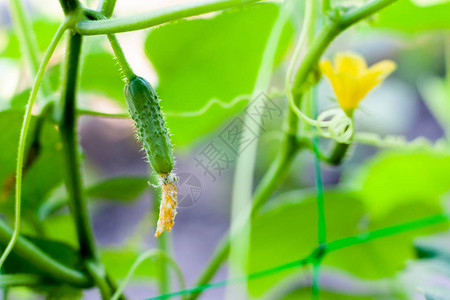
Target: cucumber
144	108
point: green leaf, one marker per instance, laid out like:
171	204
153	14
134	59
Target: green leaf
119	261
44	29
100	73
41	176
392	179
122	189
409	17
287	231
204	59
119	188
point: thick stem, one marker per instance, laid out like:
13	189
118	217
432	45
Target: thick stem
71	155
156	17
69	6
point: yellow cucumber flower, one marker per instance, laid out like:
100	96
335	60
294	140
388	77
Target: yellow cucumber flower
352	79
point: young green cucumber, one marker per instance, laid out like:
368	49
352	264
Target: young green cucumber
143	105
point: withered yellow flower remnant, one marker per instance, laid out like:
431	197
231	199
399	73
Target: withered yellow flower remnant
167	208
352	79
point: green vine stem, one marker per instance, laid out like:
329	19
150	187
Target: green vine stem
106	7
23	138
156	17
69	6
27	39
33	255
244	172
125	68
70	147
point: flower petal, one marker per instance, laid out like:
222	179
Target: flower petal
350	63
375	75
383	68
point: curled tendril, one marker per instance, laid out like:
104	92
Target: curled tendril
337	125
332	123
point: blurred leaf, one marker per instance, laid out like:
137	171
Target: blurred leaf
61	228
100	73
407	16
203	59
20	100
287	231
44	173
123	189
395	178
436	93
44	29
63	292
118	263
118	188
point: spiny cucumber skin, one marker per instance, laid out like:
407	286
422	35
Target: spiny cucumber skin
143	105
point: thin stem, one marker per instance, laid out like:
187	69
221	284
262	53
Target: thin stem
447	58
149	255
241	210
326	6
124	66
34	256
71	156
316	281
23	137
388	231
156	17
107	7
25	34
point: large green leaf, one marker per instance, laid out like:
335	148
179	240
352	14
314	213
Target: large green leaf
41	176
118	188
44	29
124	189
287	232
119	261
204	59
408	16
392	179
